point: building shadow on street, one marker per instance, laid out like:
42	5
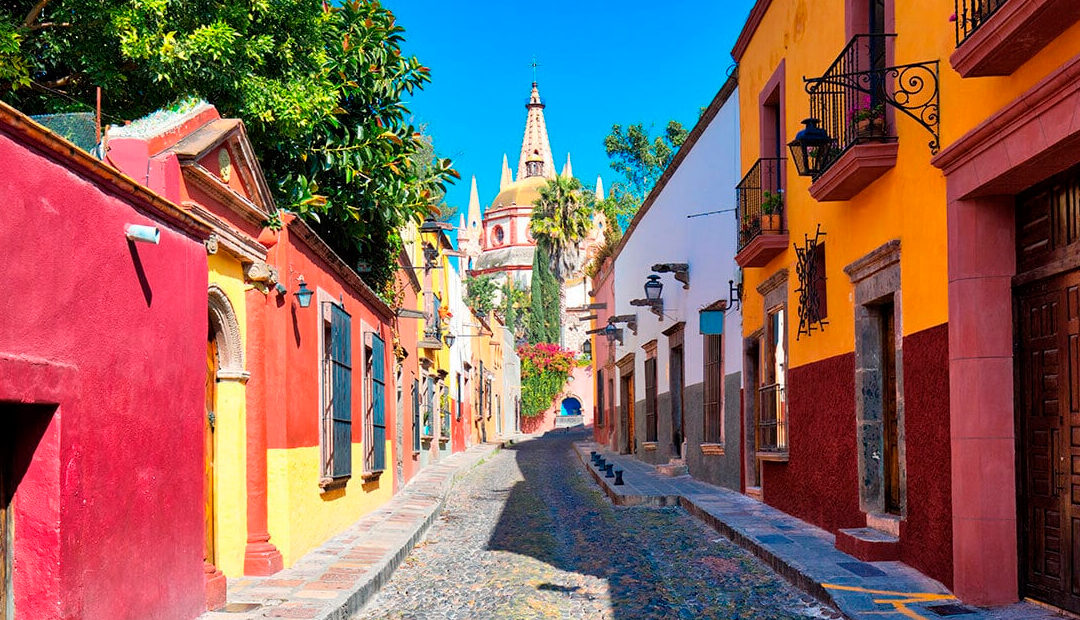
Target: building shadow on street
560	518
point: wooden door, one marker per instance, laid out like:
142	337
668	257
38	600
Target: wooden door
627	409
5	533
676	387
208	447
890	423
1048	320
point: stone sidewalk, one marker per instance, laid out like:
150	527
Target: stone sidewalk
335	580
801	552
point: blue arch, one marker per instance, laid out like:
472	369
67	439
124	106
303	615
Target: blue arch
570	406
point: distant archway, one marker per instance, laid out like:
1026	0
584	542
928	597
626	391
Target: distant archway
570	406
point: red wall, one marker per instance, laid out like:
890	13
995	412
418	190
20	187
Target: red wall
603	354
109	511
406	330
926	533
291	351
819	483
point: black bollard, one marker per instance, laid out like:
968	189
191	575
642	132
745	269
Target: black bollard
608	468
600	462
618	477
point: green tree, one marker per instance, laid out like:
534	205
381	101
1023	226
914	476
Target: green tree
544	320
320	87
562	217
515	308
480	294
639	159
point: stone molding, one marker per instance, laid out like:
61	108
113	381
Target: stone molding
773	282
227	333
877	273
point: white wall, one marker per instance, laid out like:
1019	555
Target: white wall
705	181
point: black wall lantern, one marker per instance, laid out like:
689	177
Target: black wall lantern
811	149
449	339
654	288
303	294
587	348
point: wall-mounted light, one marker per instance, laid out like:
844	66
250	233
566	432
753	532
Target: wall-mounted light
303	294
142	234
449	339
654	288
811	149
587	348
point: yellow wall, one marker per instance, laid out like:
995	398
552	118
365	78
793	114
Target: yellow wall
230	435
909	201
301	516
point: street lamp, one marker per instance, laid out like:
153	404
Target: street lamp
811	149
303	294
587	348
449	339
653	288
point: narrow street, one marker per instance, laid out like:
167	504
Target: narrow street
528	535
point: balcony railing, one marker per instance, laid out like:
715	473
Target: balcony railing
759	200
850	98
970	14
772	419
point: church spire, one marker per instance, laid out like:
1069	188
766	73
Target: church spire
474	205
507	177
535	148
567	170
599	188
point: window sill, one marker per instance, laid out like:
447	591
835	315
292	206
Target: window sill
1012	35
330	484
857	168
754	492
714	449
649	446
371	476
774	457
443	440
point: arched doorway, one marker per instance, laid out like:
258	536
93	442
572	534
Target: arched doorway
224	374
570	406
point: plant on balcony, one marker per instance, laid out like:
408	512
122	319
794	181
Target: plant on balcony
771	205
867	118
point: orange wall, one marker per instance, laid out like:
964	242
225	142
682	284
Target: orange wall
908	202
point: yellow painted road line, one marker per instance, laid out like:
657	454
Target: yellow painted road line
899	604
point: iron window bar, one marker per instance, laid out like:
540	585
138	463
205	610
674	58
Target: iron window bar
750	198
772	419
970	14
850	98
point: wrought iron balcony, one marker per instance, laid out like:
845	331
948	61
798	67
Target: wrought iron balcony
759	201
852	98
970	14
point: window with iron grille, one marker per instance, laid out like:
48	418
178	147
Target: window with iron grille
375	409
444	410
714	381
336	419
650	399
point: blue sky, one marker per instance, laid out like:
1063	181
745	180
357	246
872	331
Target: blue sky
601	63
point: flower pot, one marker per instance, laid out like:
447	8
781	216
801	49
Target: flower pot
268	237
770	223
870	127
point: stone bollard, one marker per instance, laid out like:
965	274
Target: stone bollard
608	468
618	477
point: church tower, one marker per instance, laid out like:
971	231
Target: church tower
535	159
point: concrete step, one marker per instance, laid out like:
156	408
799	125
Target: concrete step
674	467
568	421
868	544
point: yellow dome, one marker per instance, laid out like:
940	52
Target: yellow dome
523	192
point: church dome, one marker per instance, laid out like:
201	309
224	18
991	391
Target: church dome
523	192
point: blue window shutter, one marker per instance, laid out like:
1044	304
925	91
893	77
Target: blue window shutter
416	414
378	402
341	389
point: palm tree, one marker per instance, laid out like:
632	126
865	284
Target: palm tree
562	218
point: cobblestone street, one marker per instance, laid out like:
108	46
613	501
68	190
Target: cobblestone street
527	535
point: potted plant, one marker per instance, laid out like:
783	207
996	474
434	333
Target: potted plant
744	228
771	205
868	119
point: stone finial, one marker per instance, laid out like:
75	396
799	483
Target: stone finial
599	187
507	177
567	169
